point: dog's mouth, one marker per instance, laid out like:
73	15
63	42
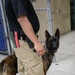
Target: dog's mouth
55	50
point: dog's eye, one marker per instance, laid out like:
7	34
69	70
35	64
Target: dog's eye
51	41
55	39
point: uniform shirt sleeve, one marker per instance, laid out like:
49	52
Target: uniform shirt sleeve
19	7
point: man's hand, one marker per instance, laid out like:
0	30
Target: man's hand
39	49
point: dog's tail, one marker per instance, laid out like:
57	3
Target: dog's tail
1	66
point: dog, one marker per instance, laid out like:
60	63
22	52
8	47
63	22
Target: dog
8	66
52	44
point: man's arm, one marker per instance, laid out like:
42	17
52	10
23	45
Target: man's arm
28	30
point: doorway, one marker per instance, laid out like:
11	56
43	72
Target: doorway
72	14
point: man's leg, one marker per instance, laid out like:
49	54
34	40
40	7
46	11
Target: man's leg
29	63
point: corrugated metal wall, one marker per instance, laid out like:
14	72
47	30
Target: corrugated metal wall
3	46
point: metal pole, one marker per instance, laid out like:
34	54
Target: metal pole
49	16
6	28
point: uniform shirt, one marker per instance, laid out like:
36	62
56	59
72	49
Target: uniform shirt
16	8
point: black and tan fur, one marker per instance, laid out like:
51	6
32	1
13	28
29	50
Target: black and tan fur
9	64
52	44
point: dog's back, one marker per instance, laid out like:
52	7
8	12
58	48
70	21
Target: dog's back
9	65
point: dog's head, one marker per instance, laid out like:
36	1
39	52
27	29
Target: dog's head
52	42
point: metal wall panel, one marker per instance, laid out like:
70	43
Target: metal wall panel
3	46
61	15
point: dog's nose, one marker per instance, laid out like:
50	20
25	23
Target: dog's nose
55	50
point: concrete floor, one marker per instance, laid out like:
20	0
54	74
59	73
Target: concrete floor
65	57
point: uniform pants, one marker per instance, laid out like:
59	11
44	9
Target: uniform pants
29	63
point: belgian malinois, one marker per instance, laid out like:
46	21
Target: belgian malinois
8	66
52	44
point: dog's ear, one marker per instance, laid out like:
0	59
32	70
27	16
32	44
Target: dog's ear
47	35
57	33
